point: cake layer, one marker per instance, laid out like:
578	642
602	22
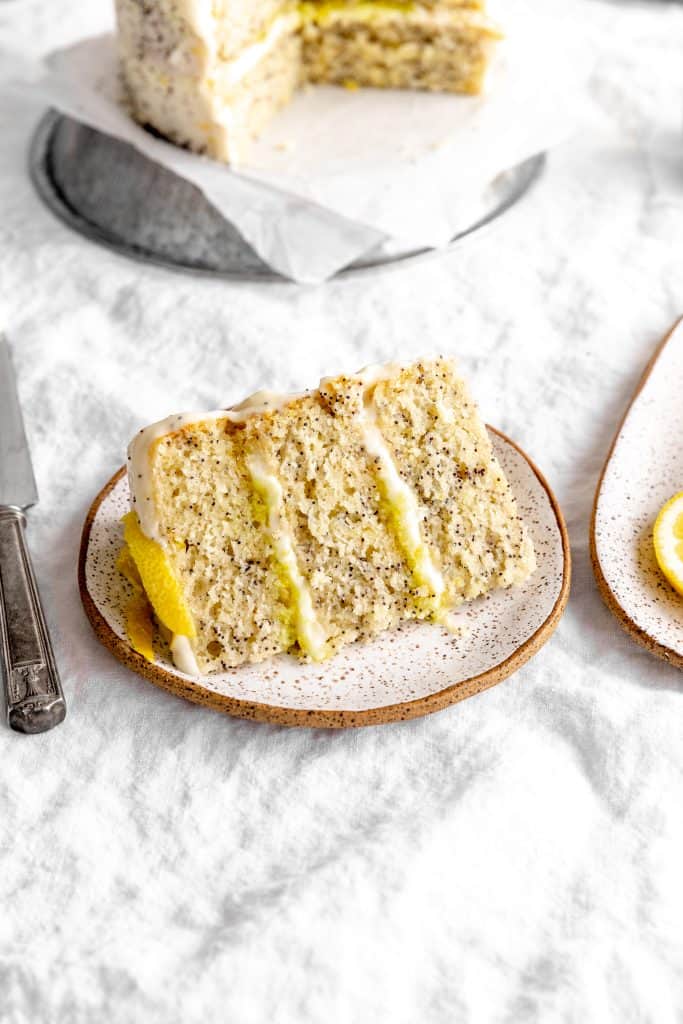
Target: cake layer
400	47
312	521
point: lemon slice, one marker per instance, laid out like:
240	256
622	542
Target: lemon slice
127	567
140	626
668	539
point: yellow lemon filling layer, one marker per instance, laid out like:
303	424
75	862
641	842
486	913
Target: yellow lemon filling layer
310	634
158	579
363	10
403	512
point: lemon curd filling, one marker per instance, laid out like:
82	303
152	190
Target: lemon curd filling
309	633
403	512
362	10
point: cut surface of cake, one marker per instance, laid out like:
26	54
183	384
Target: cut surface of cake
301	523
210	74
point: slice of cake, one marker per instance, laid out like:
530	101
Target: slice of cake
301	523
210	74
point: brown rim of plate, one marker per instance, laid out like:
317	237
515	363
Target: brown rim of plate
641	636
321	718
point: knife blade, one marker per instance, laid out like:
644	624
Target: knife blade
35	701
17	482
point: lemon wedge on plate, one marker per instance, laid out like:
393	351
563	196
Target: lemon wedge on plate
668	540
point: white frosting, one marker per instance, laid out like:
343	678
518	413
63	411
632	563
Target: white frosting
199	16
263	401
376	372
227	74
183	655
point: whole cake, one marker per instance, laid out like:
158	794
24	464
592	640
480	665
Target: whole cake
302	523
209	74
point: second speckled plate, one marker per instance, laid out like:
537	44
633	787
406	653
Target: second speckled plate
643	470
410	672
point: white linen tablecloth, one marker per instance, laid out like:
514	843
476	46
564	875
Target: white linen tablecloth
518	857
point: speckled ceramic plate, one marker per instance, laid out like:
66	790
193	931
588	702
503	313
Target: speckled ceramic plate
643	470
404	674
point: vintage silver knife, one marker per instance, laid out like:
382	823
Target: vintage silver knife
35	701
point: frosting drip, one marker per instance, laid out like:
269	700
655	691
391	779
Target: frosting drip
401	502
310	634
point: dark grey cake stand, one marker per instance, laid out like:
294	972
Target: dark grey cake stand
110	193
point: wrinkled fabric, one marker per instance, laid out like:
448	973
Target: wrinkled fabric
517	857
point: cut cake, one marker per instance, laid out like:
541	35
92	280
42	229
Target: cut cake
210	74
302	523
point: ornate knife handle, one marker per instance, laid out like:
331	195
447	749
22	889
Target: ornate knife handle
35	701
